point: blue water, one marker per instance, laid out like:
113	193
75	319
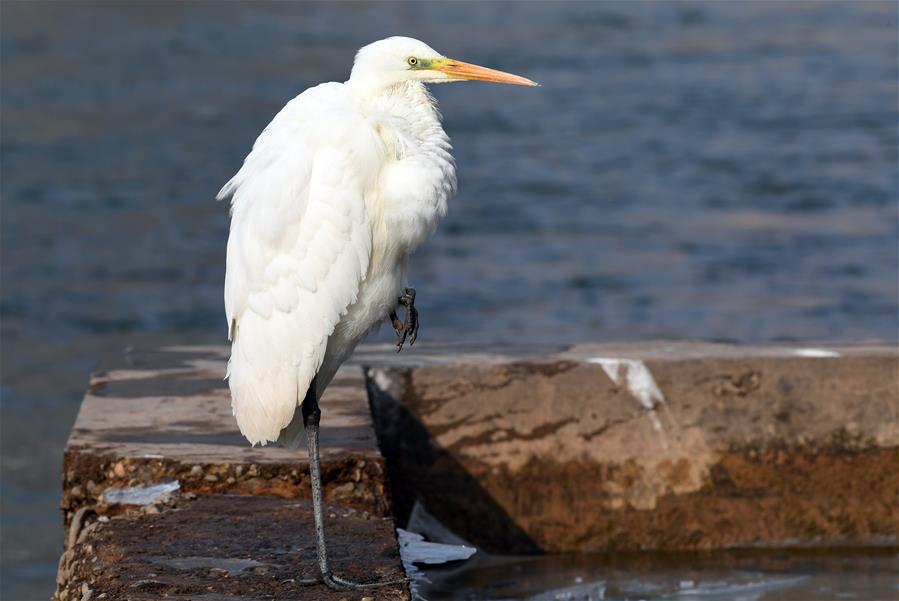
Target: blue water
687	170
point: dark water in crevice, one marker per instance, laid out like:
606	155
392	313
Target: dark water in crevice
688	170
756	575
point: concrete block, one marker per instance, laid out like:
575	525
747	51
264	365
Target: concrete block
227	547
225	519
646	445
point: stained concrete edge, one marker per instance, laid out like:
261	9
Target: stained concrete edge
630	446
553	448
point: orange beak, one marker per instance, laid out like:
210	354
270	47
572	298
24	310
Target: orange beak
459	70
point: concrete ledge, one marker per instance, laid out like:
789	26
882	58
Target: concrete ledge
164	416
645	446
591	447
226	547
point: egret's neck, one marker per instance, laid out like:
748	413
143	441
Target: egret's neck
419	175
407	118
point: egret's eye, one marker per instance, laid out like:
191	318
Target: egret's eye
412	61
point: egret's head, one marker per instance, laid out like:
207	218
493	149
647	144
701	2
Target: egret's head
394	60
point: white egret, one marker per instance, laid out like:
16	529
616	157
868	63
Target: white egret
344	183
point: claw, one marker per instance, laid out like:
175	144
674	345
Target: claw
337	583
413	316
408	329
397	324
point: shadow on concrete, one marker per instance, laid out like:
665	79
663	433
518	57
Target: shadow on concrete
418	468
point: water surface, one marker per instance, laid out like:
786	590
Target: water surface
759	575
687	170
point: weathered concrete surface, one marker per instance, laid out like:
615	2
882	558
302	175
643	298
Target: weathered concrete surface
227	547
165	416
591	447
645	446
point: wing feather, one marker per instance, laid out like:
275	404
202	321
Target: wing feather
298	249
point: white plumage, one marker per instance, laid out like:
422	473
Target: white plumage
344	183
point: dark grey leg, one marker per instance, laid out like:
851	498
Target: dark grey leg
311	418
409	327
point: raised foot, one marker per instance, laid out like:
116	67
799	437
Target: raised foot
408	329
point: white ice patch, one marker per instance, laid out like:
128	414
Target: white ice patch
422	522
591	591
140	495
415	549
728	591
815	352
639	381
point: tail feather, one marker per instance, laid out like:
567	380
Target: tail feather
291	435
268	376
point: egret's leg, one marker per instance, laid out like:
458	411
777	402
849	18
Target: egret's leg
311	418
409	327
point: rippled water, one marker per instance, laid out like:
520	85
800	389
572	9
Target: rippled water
759	575
687	170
